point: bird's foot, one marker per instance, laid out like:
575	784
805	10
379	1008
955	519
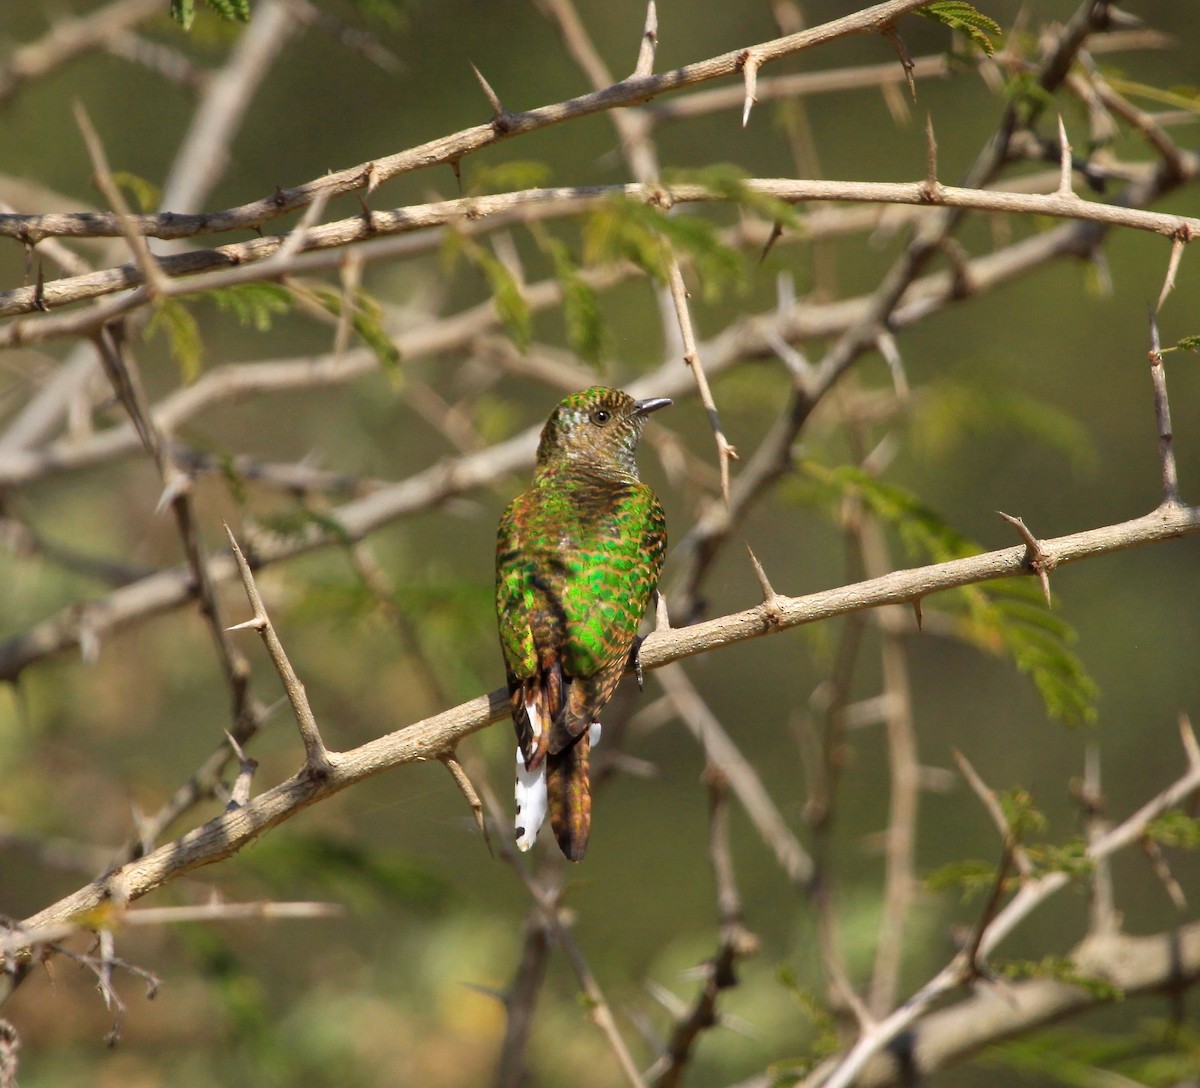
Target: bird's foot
635	656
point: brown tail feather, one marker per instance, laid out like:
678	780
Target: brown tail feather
569	797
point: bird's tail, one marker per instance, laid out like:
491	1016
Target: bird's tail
569	797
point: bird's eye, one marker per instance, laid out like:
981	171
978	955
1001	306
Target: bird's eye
600	416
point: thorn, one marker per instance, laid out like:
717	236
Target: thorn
1064	161
1036	558
372	176
255	623
771	610
178	484
456	166
1190	744
776	234
750	64
662	622
1177	243
492	97
240	794
905	58
39	291
916	606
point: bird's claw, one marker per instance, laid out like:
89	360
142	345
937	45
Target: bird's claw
635	655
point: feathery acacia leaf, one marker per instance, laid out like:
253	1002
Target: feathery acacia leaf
1175	828
586	332
505	177
367	321
967	20
175	321
999	616
255	305
630	230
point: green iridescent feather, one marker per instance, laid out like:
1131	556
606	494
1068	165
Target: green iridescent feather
577	560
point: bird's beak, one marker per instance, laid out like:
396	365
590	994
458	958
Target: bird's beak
645	407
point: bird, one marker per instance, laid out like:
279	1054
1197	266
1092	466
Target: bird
578	558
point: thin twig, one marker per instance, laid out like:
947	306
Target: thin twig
1162	414
691	356
318	761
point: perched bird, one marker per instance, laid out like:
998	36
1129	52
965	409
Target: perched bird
578	557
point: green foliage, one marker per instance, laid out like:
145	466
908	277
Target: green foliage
507	296
1020	814
729	181
1004	617
349	872
255	305
586	331
1175	828
622	229
503	177
1024	820
826	1039
967	20
971	877
366	320
388	13
297	522
951	416
184	11
1188	343
1069	857
1178	98
1061	969
175	321
146	193
1158	1053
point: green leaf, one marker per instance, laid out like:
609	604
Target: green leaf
297	522
1175	828
1061	969
183	12
1188	343
255	305
366	321
967	20
1001	616
233	11
586	332
952	416
347	871
729	181
1069	857
971	877
504	177
507	296
1020	813
630	230
1179	98
825	1025
177	324
146	193
389	13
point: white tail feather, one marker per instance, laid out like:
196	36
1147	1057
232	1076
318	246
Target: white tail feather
531	802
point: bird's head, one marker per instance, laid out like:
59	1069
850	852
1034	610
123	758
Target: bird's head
598	428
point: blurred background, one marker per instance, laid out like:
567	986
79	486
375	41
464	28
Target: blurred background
1033	399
